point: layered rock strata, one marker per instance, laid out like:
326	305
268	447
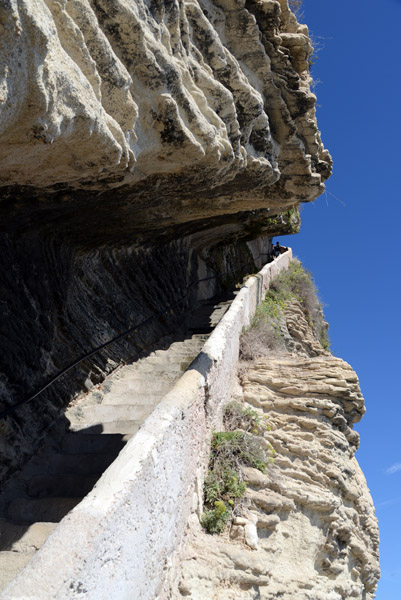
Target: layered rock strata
308	530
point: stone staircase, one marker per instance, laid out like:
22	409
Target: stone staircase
69	463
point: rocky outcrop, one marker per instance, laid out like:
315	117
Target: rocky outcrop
167	113
142	144
308	530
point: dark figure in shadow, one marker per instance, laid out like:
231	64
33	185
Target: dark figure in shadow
277	250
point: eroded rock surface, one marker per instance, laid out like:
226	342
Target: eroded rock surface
187	109
308	531
138	140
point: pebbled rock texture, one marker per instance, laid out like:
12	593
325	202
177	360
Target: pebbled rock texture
308	530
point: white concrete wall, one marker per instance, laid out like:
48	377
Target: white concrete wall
117	544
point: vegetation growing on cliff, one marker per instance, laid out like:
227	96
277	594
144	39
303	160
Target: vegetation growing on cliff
295	6
266	334
242	444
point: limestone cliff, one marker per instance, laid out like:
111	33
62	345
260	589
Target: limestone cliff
142	145
308	529
183	109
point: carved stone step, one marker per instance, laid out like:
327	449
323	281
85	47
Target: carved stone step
137	384
121	427
23	538
129	398
177	353
11	563
67	486
106	413
178	361
64	464
170	370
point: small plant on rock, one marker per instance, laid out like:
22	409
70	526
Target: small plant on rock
215	520
264	337
295	5
238	416
296	282
240	445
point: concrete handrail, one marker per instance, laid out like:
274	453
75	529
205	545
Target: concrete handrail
119	541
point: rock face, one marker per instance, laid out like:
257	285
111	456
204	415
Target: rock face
308	530
183	110
142	144
60	303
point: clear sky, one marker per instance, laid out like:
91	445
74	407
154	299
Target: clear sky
350	236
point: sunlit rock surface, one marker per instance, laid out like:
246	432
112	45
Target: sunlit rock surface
186	109
314	525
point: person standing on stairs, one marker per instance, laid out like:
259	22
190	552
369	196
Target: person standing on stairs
277	250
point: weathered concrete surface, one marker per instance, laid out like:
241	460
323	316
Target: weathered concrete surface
308	530
119	541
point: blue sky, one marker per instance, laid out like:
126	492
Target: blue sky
350	235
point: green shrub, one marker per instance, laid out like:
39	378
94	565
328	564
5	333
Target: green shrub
215	520
224	487
296	282
230	449
238	416
223	484
264	335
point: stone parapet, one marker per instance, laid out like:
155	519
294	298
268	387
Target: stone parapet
119	541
